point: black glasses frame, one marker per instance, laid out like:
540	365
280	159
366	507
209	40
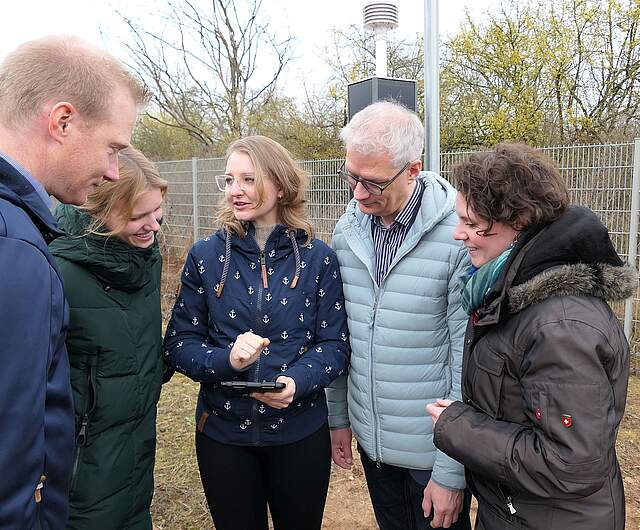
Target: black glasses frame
374	188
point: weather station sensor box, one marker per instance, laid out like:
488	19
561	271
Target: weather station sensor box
380	18
363	93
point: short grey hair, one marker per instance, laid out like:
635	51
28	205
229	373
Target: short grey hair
385	127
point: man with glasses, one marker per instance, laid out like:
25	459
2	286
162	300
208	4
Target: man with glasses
399	265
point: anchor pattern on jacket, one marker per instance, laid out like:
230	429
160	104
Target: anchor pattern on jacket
295	305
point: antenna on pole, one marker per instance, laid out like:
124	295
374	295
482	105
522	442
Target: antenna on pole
381	17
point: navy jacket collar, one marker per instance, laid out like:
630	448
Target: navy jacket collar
17	190
277	240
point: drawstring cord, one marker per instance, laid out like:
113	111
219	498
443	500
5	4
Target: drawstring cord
227	261
225	268
296	251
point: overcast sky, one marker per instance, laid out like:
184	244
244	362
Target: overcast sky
310	21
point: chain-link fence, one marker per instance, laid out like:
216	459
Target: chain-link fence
603	177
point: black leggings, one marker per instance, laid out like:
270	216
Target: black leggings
239	481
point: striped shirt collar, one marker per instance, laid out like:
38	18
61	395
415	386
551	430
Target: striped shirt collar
387	241
407	215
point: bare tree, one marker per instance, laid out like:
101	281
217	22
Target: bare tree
602	95
209	67
351	57
543	71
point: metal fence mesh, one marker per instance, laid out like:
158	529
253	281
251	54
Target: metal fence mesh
599	177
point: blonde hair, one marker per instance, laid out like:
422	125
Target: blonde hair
62	68
271	161
117	199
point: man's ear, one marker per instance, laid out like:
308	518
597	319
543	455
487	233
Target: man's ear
62	117
415	167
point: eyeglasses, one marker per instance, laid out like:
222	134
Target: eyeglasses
374	188
244	182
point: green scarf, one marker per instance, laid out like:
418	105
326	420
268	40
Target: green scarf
475	285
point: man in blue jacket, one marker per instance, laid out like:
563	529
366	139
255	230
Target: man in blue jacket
399	266
66	109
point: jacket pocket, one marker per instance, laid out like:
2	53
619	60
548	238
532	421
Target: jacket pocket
82	432
486	376
490	518
573	418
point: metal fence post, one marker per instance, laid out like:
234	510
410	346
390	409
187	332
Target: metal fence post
633	233
194	185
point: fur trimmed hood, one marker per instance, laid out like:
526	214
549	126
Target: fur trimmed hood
602	280
572	256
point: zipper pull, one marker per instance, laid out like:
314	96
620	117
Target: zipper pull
38	492
512	510
81	439
263	268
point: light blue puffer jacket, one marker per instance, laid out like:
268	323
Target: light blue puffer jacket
406	335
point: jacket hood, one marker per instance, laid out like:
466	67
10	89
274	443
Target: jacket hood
572	256
577	236
113	261
278	240
17	190
594	279
280	243
438	202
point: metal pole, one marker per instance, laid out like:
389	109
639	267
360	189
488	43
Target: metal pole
381	52
194	186
431	86
632	253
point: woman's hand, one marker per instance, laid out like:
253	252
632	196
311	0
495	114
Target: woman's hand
246	349
435	409
281	399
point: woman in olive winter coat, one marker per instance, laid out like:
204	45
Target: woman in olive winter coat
546	362
111	267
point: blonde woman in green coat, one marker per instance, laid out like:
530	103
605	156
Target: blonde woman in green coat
111	267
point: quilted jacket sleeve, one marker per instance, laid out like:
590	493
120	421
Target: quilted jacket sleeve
336	392
328	357
446	471
337	403
186	346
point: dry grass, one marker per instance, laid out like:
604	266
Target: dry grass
628	448
179	503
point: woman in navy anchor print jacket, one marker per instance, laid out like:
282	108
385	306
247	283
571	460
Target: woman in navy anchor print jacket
261	300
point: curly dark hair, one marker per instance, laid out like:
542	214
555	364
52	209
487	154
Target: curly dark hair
514	184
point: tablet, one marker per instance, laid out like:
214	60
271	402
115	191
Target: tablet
253	386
